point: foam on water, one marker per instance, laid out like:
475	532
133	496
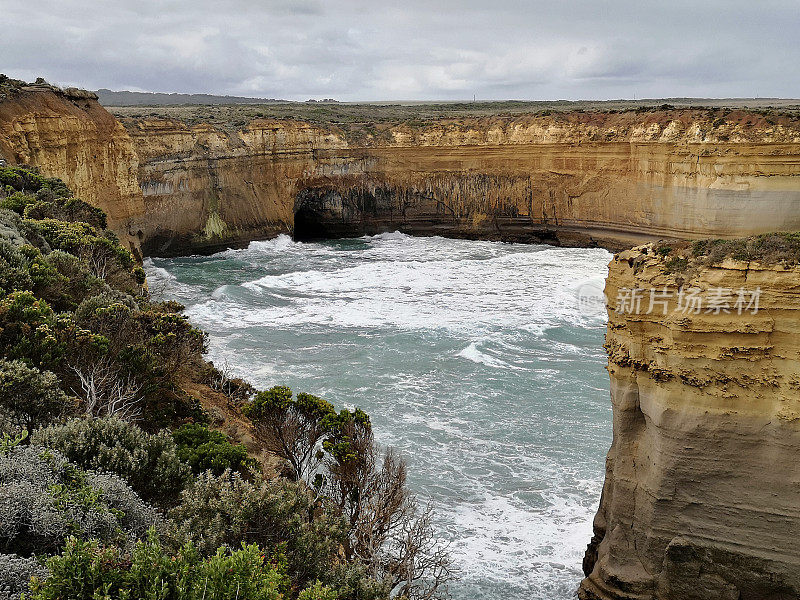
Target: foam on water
473	360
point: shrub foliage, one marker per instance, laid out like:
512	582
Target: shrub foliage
106	469
148	462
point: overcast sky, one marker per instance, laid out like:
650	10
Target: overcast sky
414	49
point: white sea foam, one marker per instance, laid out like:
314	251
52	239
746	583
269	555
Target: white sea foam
155	273
472	353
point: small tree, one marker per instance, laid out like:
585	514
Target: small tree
388	532
291	427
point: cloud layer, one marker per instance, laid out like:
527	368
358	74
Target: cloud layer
414	50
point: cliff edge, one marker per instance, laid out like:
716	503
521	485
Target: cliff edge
610	179
702	491
178	185
67	134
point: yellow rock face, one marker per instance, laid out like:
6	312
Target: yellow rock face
609	179
702	491
69	135
574	178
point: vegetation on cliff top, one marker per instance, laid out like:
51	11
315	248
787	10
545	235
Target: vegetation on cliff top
418	113
768	249
112	484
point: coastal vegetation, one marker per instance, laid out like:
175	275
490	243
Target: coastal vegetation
115	480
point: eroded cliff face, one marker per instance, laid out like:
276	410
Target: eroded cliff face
67	134
205	188
593	178
702	491
614	179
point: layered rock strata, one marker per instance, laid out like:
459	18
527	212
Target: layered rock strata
613	179
702	493
67	134
607	179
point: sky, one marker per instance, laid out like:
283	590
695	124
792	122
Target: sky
354	50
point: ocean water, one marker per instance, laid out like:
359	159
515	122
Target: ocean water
473	360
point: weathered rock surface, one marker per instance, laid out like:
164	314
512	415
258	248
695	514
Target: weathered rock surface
609	179
702	493
67	134
613	179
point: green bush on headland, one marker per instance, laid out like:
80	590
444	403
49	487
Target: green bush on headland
111	483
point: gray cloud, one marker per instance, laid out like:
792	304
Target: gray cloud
434	49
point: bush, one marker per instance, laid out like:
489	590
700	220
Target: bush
65	209
13	269
227	511
30	398
148	462
44	499
769	248
206	450
88	570
72	282
27	329
11	226
317	591
16	573
17	202
98	249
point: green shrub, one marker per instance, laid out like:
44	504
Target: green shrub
17	202
14	269
677	264
100	250
317	591
227	510
89	570
65	209
148	462
71	283
30	398
27	180
81	239
206	450
27	329
44	499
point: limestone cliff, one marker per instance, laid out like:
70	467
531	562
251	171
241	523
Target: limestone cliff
207	188
702	491
576	178
67	134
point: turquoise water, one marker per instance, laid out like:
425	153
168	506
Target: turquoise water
472	359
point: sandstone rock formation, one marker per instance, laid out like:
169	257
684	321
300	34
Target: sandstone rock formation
702	491
613	179
67	134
